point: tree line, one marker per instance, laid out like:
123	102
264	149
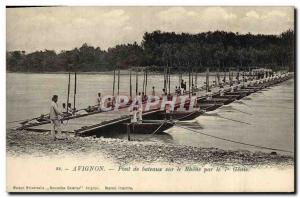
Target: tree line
216	50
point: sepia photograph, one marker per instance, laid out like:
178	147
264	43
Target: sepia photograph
150	99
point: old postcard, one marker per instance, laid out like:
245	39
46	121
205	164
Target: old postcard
150	99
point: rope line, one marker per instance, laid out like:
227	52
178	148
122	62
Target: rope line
233	141
241	102
234	109
234	120
158	128
242	111
186	115
217	115
18	121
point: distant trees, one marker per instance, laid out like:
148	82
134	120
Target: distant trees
15	61
216	50
220	49
124	56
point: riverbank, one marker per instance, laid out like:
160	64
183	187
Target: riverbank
19	143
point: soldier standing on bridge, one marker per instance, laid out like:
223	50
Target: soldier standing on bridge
153	91
133	112
140	108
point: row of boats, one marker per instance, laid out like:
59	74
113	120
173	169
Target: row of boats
156	119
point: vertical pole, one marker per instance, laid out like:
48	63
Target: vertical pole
218	77
196	78
114	82
119	81
128	130
238	75
68	92
146	83
230	77
189	82
75	90
243	78
169	80
130	84
192	82
136	82
249	73
192	77
207	79
179	81
180	77
165	78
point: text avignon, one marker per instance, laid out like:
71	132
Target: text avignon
88	168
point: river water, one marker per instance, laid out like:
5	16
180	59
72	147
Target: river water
264	118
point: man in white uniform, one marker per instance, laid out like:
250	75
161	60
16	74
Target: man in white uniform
55	119
133	112
140	108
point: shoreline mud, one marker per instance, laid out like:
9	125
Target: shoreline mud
120	151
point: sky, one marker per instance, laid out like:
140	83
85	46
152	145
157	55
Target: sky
64	28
